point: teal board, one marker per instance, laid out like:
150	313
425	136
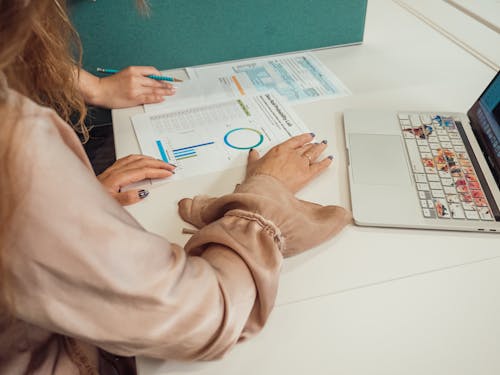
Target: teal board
181	33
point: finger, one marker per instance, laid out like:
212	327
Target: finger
305	149
124	178
166	92
144	90
315	150
253	155
129	159
146	70
147	163
298	140
317	168
151	99
130	197
118	164
150	82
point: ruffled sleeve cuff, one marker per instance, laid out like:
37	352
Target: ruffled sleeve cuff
297	225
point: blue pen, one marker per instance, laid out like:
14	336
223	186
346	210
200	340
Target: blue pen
153	76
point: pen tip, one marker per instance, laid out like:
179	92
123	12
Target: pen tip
177	80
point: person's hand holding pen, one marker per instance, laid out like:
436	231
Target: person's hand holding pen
126	88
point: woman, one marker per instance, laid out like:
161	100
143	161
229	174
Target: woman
81	279
44	72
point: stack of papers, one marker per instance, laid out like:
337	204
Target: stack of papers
224	110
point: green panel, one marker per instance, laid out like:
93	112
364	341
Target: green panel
182	33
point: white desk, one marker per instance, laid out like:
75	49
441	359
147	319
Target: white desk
444	323
466	23
393	69
485	11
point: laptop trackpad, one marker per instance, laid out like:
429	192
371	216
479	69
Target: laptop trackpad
378	160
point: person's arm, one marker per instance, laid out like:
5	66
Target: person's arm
81	266
127	88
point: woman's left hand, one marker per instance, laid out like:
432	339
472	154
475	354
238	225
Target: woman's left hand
127	88
130	169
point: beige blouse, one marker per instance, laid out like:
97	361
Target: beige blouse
80	266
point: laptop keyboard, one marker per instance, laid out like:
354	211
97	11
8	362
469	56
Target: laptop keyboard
447	184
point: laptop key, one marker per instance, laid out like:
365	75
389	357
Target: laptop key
435	185
472	215
415	120
437	193
423	187
426	119
449	190
420	177
442	209
447	181
414	155
485	214
457	212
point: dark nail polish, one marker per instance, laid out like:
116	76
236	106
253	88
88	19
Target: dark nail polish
143	193
313	135
173	165
249	151
324	141
330	157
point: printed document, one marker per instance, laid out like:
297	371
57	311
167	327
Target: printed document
216	136
296	78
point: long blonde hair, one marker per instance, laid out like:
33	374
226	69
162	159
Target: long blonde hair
47	61
36	59
40	56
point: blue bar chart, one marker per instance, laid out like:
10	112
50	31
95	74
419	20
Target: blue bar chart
180	153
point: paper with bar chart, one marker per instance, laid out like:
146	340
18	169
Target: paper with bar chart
217	136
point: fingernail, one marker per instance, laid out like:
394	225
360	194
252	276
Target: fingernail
143	193
173	165
313	135
173	172
324	141
249	151
330	157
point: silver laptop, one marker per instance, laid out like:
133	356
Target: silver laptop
427	169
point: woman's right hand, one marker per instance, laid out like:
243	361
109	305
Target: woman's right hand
293	162
130	169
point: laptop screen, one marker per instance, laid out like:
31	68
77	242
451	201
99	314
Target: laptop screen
485	121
